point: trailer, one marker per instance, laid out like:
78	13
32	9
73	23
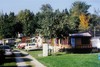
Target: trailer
80	42
96	43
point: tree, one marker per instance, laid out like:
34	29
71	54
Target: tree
95	18
17	27
46	20
77	8
12	22
84	22
27	19
95	22
1	25
46	8
6	26
60	20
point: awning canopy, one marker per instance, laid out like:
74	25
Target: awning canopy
80	34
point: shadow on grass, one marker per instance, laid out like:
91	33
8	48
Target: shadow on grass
18	66
27	59
36	49
19	54
9	61
8	66
16	51
24	60
20	57
25	66
59	54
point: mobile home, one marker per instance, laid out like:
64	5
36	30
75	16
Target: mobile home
80	42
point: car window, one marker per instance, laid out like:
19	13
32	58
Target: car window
0	47
31	44
5	47
27	45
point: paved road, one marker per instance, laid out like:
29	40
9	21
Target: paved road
20	60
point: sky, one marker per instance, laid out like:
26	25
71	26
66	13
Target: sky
7	6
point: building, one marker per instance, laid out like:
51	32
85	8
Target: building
80	42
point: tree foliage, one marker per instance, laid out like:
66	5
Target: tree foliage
79	7
84	22
27	19
48	22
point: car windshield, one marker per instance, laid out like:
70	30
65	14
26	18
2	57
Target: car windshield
5	47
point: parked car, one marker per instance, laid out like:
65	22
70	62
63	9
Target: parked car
2	57
21	45
7	49
30	46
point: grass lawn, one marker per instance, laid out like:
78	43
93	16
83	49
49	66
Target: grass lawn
68	60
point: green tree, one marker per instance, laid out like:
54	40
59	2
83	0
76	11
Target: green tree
6	26
12	22
46	19
60	20
27	19
77	8
1	25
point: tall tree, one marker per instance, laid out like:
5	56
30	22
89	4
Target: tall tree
77	8
1	25
60	20
7	26
46	20
12	22
84	22
27	19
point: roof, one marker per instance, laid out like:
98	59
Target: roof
80	34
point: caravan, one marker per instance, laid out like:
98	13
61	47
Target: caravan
95	42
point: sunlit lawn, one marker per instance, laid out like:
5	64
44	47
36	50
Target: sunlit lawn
68	60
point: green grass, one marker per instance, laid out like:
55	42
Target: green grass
28	63
35	53
68	60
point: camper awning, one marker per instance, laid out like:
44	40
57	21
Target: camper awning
80	34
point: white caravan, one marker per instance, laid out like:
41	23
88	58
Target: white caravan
95	42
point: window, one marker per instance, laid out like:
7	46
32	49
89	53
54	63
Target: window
85	40
31	44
